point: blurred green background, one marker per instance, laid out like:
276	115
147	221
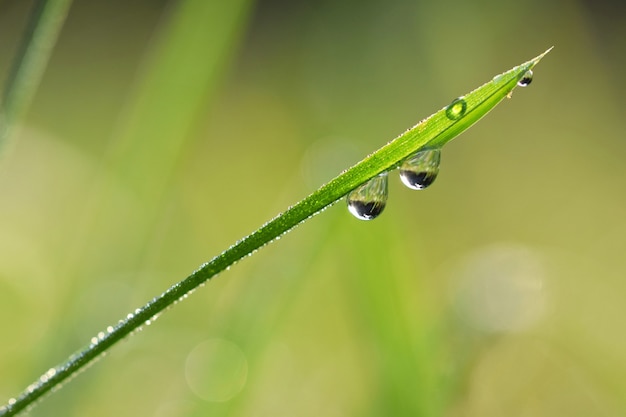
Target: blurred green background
164	131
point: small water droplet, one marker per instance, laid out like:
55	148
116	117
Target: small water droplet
367	201
420	170
526	79
456	109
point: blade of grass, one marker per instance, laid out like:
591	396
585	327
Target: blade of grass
181	74
43	29
436	130
177	80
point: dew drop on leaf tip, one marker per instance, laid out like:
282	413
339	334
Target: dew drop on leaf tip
420	170
456	109
526	79
368	201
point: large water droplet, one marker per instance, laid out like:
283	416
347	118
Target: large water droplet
420	170
456	109
526	79
369	200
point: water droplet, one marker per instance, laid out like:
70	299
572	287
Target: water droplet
420	170
456	109
367	201
526	79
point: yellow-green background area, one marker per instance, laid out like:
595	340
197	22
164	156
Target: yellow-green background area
499	291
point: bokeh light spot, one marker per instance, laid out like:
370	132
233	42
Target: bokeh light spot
216	370
500	288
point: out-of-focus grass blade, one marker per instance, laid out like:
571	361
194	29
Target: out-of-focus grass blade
41	35
172	90
179	78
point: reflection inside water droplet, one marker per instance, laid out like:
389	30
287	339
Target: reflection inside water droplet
526	79
456	109
367	201
420	170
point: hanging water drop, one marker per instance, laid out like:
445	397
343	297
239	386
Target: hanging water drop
526	79
456	109
367	201
420	170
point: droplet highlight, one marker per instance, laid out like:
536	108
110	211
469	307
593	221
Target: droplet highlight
456	109
420	170
526	79
367	201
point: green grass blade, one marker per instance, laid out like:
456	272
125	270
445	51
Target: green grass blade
182	73
178	78
435	131
41	35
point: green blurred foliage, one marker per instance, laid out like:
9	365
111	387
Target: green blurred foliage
498	291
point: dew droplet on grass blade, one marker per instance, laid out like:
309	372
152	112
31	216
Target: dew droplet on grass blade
526	79
367	201
456	109
420	170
